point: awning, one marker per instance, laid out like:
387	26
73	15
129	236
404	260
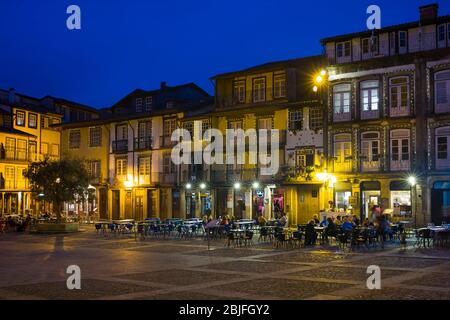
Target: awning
441	185
370	186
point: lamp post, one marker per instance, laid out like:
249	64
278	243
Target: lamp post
412	183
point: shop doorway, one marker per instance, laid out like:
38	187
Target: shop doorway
239	205
277	203
128	205
103	203
139	206
370	199
440	202
190	205
258	203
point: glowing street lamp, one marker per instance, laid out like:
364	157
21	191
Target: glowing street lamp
255	185
237	186
128	184
412	181
203	186
188	186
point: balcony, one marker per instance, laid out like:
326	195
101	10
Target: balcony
370	166
400	165
143	144
120	146
343	166
344	116
167	178
20	155
243	175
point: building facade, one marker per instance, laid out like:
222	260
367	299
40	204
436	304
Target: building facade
387	113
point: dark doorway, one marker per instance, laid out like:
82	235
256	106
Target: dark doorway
151	204
128	206
440	202
139	208
116	204
175	203
103	203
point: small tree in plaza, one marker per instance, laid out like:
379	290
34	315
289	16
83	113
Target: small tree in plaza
65	180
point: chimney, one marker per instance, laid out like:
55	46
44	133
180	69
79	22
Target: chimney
12	96
163	85
428	12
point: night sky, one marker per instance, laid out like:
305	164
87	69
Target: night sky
124	45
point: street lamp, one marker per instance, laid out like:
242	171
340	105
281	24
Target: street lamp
237	186
412	180
255	185
203	186
188	186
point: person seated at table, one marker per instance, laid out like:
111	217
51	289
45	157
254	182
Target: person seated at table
284	220
324	222
262	221
366	223
316	219
224	221
355	220
347	225
310	234
205	219
330	230
338	221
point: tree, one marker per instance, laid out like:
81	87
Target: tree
59	181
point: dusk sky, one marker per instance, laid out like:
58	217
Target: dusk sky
124	45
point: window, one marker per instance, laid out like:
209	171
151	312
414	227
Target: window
441	33
315	119
45	122
370	45
145	129
399	96
296	120
341	101
189	126
265	123
21	149
369	95
94	169
170	125
44	148
442	91
10	174
370	145
206	125
239	92
402	41
343	49
148	103
343	147
400	152
20	118
121	132
139	105
121	167
32	120
443	148
259	90
32	150
279	86
95	137
55	150
144	166
305	158
168	166
74	139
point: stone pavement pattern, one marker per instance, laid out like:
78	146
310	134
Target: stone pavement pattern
34	267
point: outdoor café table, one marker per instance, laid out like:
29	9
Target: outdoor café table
122	224
103	224
238	235
320	231
245	224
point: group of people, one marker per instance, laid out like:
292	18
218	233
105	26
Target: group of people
346	225
20	224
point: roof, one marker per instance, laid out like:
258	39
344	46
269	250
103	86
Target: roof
304	61
368	33
72	103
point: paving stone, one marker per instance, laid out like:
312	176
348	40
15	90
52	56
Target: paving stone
178	277
282	288
307	256
233	252
399	262
431	280
168	248
90	289
187	295
343	273
255	267
400	294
